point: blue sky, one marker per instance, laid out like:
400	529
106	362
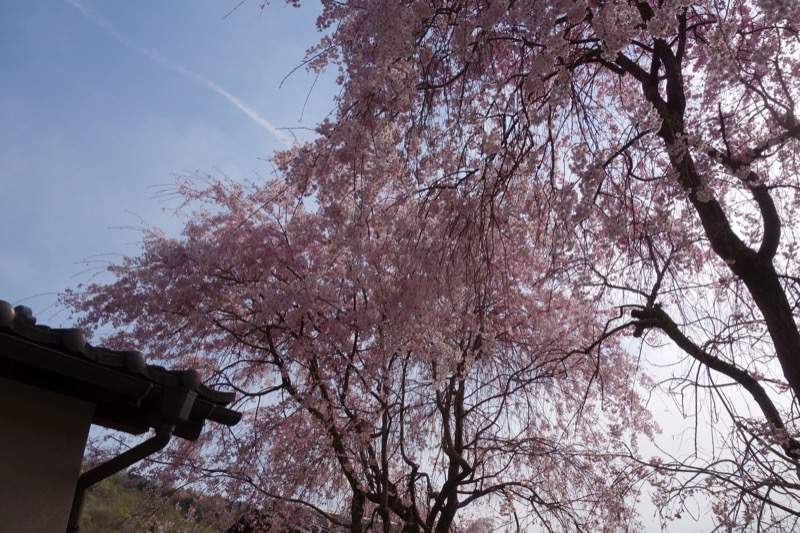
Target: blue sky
102	104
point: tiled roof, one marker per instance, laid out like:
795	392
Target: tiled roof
255	522
298	519
128	392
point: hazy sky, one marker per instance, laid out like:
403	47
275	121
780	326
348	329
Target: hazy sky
103	103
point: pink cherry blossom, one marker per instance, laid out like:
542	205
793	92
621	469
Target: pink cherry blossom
430	310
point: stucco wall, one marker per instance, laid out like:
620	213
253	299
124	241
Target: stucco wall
42	437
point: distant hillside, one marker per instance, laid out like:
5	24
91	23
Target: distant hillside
127	503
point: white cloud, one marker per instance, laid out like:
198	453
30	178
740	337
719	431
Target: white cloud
186	72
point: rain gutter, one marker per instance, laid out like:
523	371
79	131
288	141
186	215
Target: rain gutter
111	467
176	405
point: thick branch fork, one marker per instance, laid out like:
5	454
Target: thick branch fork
656	318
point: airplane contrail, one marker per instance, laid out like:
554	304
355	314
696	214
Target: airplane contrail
106	25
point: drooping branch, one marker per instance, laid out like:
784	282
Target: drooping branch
656	317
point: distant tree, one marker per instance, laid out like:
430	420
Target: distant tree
508	190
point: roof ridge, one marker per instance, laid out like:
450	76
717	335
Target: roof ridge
21	322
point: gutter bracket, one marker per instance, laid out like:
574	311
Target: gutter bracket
176	405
